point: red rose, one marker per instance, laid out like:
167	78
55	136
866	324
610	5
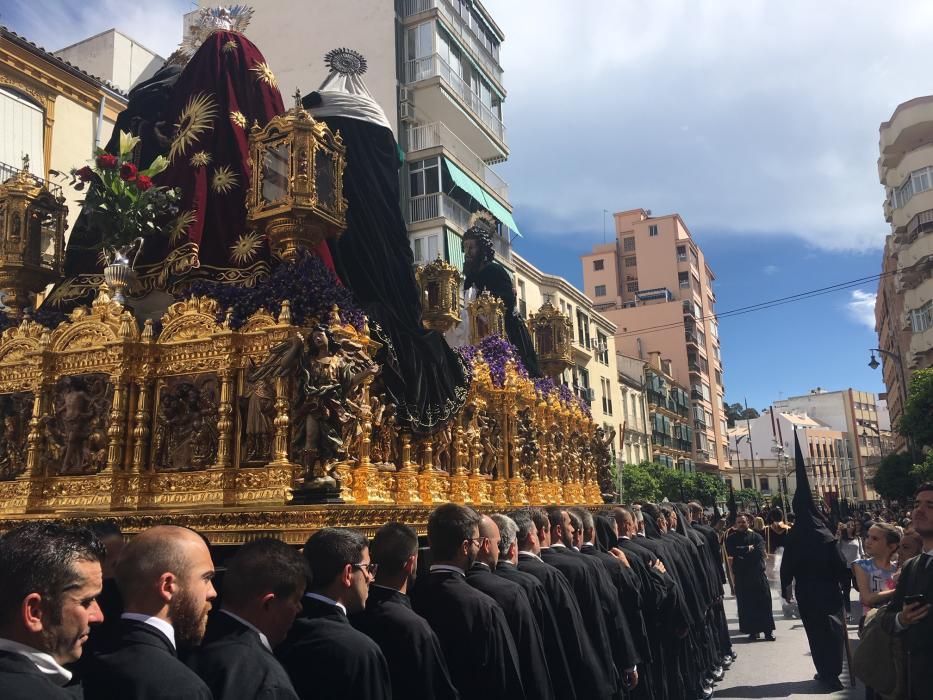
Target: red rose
128	172
105	161
143	182
85	174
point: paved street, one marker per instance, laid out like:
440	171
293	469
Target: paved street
780	669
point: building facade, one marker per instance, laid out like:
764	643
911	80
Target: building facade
654	284
853	413
904	305
634	434
669	416
113	56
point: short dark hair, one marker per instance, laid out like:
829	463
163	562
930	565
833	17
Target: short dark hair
777	515
39	557
555	516
619	511
328	550
105	528
925	486
539	518
263	566
891	533
694	508
448	526
392	545
525	524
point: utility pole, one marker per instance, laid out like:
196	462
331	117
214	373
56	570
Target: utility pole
751	448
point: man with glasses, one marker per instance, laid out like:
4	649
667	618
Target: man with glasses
470	625
326	658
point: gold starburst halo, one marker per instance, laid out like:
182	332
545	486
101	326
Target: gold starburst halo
194	120
224	180
265	74
180	226
238	119
229	46
200	159
246	247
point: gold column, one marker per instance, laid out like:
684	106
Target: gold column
406	482
426	473
225	421
116	430
459	491
32	440
281	424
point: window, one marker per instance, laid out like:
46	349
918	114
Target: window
426	247
765	484
746	483
681	253
522	305
628	244
683	279
598	264
583	329
424	177
631	286
922	319
419	41
23	131
631	261
600	290
602	348
606	386
653	230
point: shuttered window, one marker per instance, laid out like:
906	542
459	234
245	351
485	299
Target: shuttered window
21	132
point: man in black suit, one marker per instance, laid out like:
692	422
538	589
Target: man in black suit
263	587
165	575
50	577
470	625
416	662
325	656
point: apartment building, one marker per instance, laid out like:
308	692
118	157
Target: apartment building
853	413
634	435
433	66
669	416
113	56
904	305
654	284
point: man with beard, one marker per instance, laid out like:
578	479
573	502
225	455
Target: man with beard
262	592
165	575
531	658
483	273
416	662
472	628
752	593
325	656
51	576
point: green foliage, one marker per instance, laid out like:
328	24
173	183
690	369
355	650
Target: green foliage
923	472
894	479
917	420
708	489
650	481
748	497
737	412
638	483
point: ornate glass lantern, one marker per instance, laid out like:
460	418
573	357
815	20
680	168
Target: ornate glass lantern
487	317
552	331
32	237
296	194
440	295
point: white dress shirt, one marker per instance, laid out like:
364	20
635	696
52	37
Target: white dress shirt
325	599
157	622
47	665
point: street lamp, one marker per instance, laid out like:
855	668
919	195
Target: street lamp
899	364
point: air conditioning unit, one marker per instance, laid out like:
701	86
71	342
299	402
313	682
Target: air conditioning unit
406	112
404	94
589	394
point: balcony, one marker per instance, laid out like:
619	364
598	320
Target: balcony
460	29
483	130
439	135
439	206
691	337
659	293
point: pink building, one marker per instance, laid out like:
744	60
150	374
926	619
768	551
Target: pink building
654	284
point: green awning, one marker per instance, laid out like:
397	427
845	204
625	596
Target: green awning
486	201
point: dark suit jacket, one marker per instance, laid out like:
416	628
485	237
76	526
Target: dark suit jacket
236	666
20	679
328	659
142	665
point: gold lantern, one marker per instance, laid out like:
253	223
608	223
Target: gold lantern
487	317
32	237
440	295
552	331
296	193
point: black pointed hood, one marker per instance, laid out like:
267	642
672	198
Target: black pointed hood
606	538
809	524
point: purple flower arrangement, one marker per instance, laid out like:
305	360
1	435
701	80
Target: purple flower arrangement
497	352
545	386
309	285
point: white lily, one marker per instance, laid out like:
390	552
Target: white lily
127	143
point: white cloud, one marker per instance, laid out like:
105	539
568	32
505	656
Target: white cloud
770	269
861	308
746	116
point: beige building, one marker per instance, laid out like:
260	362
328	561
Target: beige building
654	284
114	57
668	416
904	306
634	436
52	112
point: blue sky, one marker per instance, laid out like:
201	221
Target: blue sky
756	121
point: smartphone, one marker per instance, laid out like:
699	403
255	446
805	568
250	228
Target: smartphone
916	598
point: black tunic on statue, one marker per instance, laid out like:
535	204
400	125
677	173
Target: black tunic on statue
532	661
21	679
142	665
555	654
424	378
752	593
591	679
328	659
474	635
495	279
235	664
416	662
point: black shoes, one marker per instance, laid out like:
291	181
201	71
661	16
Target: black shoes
770	637
833	684
753	637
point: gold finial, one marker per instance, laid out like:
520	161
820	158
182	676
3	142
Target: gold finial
297	99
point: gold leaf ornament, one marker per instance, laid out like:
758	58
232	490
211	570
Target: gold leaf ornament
246	247
264	74
180	226
238	119
224	180
200	159
195	119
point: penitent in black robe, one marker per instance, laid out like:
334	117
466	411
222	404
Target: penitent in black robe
474	635
416	662
328	659
752	592
536	677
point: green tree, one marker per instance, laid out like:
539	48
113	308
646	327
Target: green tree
736	412
639	483
749	497
893	479
707	489
917	421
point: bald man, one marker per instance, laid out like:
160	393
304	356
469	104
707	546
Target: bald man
165	576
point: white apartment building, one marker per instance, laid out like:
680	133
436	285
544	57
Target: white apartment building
114	57
634	437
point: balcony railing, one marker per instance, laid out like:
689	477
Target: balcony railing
7	171
462	31
434	65
439	134
439	205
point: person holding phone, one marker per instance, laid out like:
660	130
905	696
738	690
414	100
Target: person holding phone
908	613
